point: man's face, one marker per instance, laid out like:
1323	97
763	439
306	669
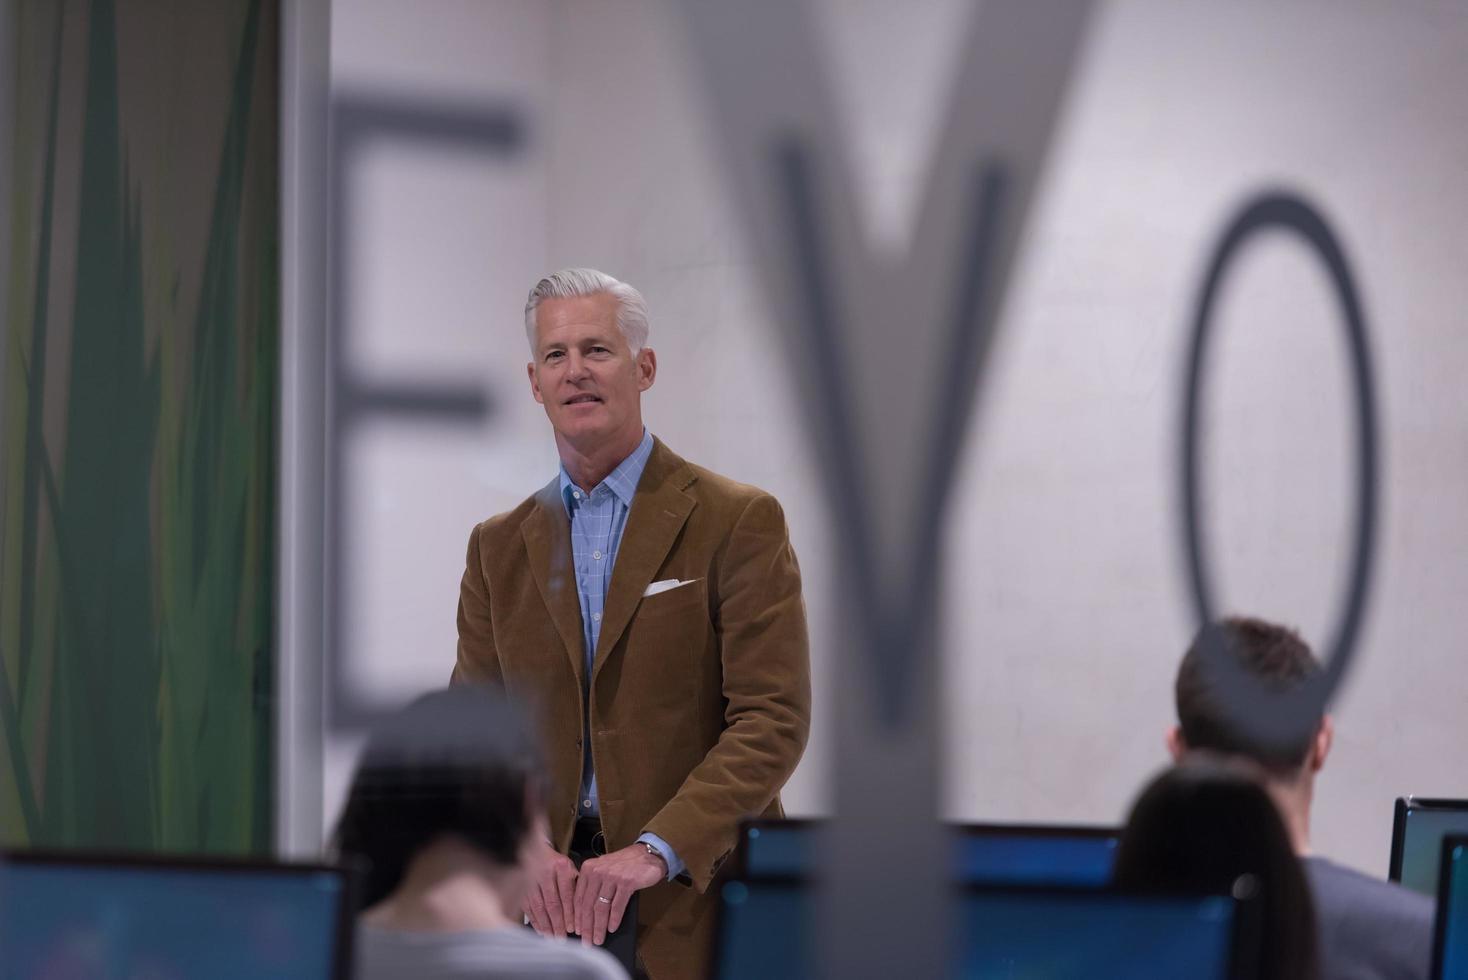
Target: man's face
585	374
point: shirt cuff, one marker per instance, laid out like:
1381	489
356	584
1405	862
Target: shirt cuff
670	856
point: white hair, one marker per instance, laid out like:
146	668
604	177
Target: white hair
572	283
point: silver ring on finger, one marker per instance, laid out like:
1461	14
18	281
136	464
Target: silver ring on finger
604	900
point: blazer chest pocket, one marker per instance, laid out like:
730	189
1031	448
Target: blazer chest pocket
667	634
686	599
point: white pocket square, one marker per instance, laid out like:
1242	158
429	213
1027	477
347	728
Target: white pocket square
665	585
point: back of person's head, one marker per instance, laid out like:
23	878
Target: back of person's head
1274	655
458	762
1201	826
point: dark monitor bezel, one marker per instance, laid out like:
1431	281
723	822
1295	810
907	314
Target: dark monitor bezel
346	899
1088	831
1444	889
1243	943
1399	826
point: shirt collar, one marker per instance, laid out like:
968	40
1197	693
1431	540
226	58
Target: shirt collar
622	481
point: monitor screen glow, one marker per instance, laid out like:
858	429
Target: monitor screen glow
767	932
63	919
1048	856
1422	840
1453	938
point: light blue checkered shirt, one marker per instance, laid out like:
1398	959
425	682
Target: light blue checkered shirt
597	522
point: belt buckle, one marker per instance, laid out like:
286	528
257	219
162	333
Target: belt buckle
599	843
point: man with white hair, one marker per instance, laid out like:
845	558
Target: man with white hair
651	611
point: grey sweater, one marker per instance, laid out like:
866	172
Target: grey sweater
1369	929
383	954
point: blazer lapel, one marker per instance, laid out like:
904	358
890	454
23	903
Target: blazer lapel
547	534
659	510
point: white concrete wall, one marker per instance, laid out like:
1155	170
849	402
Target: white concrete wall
1066	603
444	244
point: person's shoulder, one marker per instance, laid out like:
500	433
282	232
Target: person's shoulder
1341	880
508	522
537	956
707	483
1369	927
533	955
736	508
517	953
587	962
709	486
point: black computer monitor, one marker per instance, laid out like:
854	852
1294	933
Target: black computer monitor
775	848
1035	854
96	915
1450	944
1418	828
766	930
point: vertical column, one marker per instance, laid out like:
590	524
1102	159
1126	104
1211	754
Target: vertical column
305	66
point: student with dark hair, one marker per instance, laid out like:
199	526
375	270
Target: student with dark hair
445	814
1369	929
1207	826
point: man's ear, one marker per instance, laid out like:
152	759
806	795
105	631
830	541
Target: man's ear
1176	747
647	368
534	382
1320	747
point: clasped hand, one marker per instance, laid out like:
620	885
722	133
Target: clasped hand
562	900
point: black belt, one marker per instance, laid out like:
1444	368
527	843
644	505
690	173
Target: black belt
587	840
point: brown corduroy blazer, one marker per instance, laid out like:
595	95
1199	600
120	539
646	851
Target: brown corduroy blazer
699	697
